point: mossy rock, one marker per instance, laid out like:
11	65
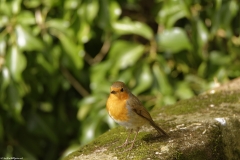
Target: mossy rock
200	128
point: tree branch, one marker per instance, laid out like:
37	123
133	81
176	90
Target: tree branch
80	89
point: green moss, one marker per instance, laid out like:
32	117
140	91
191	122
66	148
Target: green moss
144	141
149	144
201	102
101	141
116	137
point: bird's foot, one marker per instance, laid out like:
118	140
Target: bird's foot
129	149
123	145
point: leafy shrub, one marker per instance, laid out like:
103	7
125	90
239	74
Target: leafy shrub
58	59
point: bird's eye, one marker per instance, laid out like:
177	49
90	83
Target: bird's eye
121	90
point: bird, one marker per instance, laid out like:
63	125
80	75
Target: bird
128	111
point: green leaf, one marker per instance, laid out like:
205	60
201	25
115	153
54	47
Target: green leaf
32	4
4	79
115	10
202	33
169	100
26	40
219	58
58	24
233	8
85	107
15	102
16	63
144	81
74	52
98	74
103	19
89	10
222	22
173	40
218	3
4	21
163	82
126	76
198	84
84	32
183	91
44	63
88	132
46	107
91	128
5	9
126	26
125	54
202	69
47	39
51	3
71	4
54	59
26	18
171	12
3	45
16	6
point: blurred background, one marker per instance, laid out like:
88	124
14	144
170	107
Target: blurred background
58	59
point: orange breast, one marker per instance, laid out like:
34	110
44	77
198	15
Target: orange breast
117	108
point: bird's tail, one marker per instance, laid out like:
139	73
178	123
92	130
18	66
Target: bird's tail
160	130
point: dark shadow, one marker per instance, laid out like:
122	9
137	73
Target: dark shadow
152	138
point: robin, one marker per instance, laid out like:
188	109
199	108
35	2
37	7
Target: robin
127	110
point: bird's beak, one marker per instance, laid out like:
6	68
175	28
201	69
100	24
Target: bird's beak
113	92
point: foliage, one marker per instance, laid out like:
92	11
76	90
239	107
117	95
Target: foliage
58	59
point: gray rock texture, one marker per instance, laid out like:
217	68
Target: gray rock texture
201	128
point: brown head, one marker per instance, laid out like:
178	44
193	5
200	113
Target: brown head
120	90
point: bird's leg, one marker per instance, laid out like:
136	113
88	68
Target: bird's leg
133	141
126	142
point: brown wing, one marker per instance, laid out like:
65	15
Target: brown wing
138	108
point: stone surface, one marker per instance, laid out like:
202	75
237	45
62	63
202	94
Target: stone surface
203	127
